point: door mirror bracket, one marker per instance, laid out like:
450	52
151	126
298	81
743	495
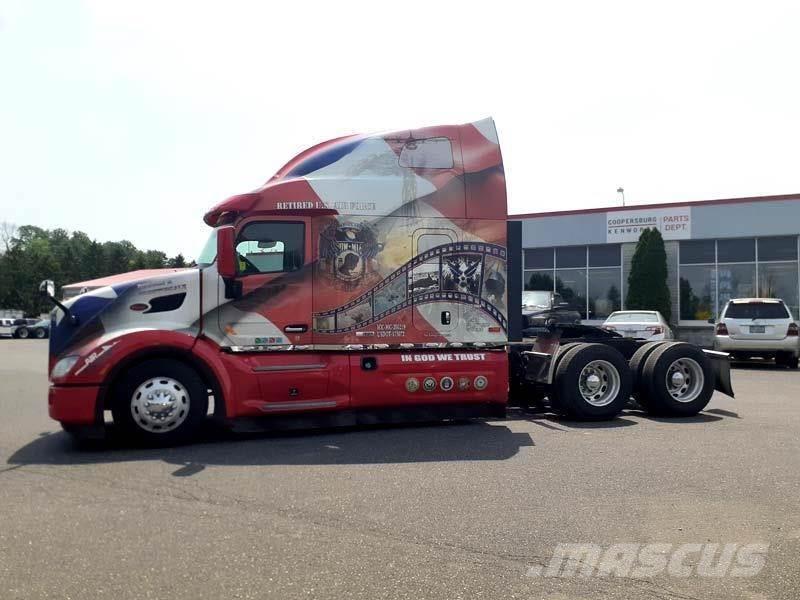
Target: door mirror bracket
233	288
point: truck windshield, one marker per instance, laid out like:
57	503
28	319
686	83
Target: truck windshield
209	252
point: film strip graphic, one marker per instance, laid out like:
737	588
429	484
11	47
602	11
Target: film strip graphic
454	272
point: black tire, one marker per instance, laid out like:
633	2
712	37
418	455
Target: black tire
567	385
563	350
21	333
39	334
636	364
658	396
168	377
791	361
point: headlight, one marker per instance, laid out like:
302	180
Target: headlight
63	366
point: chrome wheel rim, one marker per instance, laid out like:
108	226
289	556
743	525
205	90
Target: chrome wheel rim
685	379
22	333
599	383
160	404
39	333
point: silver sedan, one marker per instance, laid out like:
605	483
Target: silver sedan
647	325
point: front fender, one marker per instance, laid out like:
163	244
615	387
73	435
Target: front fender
97	358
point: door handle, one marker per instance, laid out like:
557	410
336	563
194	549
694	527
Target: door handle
296	328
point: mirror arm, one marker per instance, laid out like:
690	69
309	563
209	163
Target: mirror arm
72	318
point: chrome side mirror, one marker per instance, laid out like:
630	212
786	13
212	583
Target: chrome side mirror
47	289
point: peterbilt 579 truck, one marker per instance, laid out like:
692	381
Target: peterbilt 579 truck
373	278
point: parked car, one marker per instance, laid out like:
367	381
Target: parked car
546	309
758	328
38	330
17	323
7	326
648	325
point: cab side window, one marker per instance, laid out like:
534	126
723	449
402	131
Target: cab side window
270	247
430	153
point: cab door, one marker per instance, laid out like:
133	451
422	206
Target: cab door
268	323
272	305
443	317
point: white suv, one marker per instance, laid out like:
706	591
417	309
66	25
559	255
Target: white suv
760	327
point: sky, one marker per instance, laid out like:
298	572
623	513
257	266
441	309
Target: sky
128	120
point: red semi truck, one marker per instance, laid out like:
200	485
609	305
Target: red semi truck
373	278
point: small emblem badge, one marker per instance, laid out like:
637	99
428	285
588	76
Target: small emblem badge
429	384
446	383
412	384
481	382
463	384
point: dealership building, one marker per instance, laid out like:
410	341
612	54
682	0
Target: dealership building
716	250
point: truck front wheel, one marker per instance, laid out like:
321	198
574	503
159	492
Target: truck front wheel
160	402
592	382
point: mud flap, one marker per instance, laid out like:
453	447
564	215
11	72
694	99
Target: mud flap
540	360
721	363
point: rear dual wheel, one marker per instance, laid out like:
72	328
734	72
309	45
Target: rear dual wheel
676	380
637	369
592	382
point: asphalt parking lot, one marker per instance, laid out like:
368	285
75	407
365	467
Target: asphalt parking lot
437	511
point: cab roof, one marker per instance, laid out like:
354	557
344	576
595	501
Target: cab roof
451	170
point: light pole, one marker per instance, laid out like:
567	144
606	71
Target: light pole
621	190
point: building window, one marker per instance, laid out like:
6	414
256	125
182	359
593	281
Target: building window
571	284
779	280
607	255
777	248
698	290
736	251
604	291
539	281
570	256
539	258
698	252
736	281
594	291
714	271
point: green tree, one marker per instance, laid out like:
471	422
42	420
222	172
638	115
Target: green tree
30	254
155	259
177	262
647	281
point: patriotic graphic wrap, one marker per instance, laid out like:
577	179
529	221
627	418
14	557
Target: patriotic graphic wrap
400	240
456	276
406	243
